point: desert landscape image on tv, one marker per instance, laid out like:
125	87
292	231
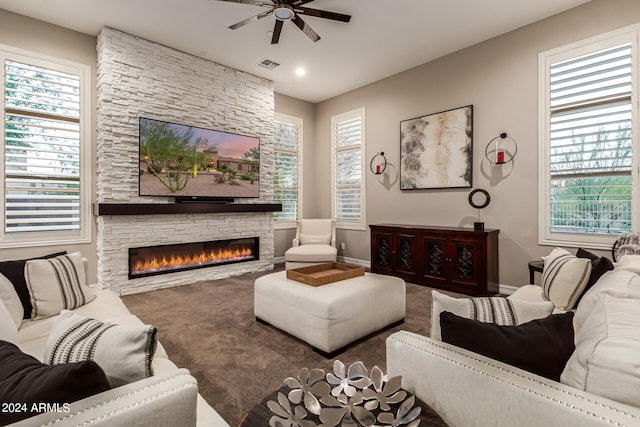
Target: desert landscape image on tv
186	161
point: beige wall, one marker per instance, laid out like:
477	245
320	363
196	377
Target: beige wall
37	36
306	111
499	77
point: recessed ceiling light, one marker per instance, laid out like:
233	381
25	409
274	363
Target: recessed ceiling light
300	71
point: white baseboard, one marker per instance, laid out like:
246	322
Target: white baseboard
278	260
355	261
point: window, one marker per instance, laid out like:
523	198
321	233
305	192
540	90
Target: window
45	144
287	185
589	141
348	180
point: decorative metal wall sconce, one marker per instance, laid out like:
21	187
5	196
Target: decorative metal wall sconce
378	163
501	149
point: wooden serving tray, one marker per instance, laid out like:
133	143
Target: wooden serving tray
323	274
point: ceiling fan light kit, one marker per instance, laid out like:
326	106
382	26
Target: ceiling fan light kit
288	10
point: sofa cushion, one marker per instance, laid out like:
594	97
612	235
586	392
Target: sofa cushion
501	311
619	283
541	346
56	284
125	352
315	239
564	278
311	253
11	300
8	330
14	271
607	352
26	381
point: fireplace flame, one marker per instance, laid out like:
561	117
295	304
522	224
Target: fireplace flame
185	261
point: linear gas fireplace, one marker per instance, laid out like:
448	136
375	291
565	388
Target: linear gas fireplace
161	259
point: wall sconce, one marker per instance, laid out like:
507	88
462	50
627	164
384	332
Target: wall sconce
501	149
378	163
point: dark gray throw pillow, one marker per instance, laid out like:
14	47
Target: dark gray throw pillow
25	383
542	346
599	266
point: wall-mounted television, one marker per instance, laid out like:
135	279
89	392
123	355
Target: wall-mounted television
193	163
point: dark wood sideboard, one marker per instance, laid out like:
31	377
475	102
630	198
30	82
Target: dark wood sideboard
456	259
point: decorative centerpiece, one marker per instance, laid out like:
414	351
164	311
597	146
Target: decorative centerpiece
343	398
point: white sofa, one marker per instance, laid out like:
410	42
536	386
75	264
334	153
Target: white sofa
169	398
470	390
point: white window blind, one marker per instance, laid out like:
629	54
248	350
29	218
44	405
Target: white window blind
591	150
45	199
348	171
286	175
588	149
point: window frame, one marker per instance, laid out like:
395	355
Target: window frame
630	35
83	72
299	122
361	225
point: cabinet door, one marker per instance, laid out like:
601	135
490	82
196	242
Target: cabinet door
465	262
405	255
435	268
381	252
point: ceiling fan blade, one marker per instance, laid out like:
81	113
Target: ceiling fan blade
254	2
324	14
306	28
297	3
277	29
251	19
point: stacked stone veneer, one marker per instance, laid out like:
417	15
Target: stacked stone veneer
137	78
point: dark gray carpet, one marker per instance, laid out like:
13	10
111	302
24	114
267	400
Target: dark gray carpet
209	328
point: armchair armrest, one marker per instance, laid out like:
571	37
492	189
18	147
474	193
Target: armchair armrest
165	400
470	390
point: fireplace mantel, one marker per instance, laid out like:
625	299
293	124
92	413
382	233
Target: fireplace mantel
100	209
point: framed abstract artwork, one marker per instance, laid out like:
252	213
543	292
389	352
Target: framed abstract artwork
436	150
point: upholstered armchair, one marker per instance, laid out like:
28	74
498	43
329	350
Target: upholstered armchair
314	243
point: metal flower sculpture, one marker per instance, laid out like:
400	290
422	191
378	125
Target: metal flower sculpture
405	416
285	416
355	378
343	409
307	386
345	398
383	393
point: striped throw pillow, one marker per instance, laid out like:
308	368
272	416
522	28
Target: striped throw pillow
564	278
125	352
56	284
496	310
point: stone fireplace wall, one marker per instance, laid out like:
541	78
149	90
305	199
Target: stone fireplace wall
137	78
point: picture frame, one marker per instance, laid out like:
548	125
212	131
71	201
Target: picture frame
436	150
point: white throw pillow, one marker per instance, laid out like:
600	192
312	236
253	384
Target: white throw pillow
313	239
56	284
618	283
11	301
564	278
498	310
605	361
8	329
125	352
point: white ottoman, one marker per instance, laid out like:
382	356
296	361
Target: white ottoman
330	316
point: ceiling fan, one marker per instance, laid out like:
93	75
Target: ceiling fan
288	10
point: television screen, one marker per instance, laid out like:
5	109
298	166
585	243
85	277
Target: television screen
189	162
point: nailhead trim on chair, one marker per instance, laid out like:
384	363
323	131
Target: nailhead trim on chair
545	384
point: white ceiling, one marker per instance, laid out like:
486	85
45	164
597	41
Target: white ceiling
383	38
